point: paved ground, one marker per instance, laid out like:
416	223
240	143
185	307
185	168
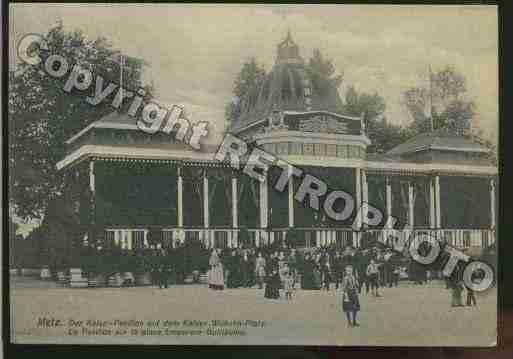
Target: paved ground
408	315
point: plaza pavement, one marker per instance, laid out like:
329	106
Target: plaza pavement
405	316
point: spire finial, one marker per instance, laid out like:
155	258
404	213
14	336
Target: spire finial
288	50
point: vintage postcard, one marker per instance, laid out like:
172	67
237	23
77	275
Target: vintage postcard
253	174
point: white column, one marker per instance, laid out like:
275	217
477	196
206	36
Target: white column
432	222
145	239
92	186
264	217
438	221
206	219
388	197
411	208
291	201
356	239
264	212
492	204
123	240
129	240
358	197
365	195
180	198
235	214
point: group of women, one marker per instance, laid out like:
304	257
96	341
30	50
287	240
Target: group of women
276	269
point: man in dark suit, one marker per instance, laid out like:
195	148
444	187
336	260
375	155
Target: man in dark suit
338	269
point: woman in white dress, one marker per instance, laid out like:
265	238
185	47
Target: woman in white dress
260	264
216	273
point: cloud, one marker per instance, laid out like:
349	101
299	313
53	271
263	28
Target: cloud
195	51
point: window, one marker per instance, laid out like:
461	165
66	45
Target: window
308	148
282	148
354	151
342	151
296	149
331	150
320	149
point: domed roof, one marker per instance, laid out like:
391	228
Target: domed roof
288	87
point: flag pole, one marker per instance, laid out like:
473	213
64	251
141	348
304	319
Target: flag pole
431	124
121	74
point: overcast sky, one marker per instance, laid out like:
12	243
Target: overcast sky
195	51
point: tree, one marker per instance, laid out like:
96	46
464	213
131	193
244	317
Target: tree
13	227
372	106
245	88
444	100
456	117
322	72
384	136
416	100
42	116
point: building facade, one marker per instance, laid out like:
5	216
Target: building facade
138	190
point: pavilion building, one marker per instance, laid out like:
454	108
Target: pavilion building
130	184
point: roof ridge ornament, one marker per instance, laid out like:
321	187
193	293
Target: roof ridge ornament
288	51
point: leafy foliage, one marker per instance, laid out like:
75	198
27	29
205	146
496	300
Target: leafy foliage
384	136
416	100
245	88
42	116
444	101
323	73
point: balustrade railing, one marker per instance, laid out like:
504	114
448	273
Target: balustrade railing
458	238
134	238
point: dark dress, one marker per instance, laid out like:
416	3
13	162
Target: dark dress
272	286
350	300
246	266
234	275
338	270
272	281
308	279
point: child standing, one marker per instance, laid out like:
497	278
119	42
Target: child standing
288	285
350	301
373	275
471	298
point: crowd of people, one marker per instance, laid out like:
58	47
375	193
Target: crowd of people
316	269
349	269
353	271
